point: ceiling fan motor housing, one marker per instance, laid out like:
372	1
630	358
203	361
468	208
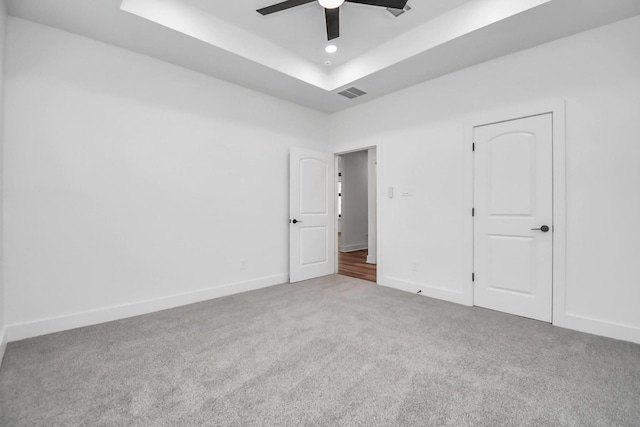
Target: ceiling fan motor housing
330	4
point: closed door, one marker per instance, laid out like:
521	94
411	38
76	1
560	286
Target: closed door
312	214
513	230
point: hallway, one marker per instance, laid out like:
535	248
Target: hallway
353	264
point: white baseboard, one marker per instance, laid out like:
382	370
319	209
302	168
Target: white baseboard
604	328
353	248
427	290
35	328
569	321
3	343
371	260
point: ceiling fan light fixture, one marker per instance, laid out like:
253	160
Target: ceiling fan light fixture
330	4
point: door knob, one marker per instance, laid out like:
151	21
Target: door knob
295	221
544	228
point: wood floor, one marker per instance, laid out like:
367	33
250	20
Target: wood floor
353	264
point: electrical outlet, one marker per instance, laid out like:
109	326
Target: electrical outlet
243	264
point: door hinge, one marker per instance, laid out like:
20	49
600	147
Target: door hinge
473	277
473	146
473	211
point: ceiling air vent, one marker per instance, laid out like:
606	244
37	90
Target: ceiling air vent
352	92
398	12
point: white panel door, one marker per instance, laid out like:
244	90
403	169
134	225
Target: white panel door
312	214
513	233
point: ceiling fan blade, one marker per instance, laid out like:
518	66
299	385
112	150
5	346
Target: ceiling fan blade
282	6
393	4
333	23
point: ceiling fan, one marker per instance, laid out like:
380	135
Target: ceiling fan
331	10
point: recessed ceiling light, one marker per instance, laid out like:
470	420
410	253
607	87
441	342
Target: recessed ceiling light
330	4
332	48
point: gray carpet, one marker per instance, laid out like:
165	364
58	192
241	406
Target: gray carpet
331	351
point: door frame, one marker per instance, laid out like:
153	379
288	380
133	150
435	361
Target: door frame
378	148
557	109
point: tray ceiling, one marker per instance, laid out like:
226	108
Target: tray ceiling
283	54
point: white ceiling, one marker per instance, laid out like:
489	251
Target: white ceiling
302	31
283	54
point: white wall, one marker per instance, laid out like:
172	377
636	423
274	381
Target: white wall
3	31
133	185
420	134
354	201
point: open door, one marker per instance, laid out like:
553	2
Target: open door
312	214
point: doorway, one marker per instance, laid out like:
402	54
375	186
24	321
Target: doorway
513	216
357	218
